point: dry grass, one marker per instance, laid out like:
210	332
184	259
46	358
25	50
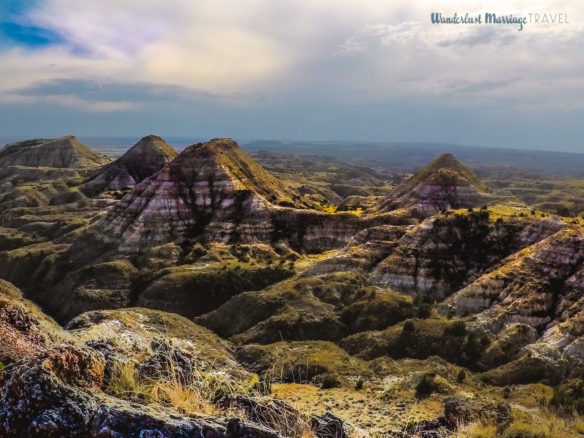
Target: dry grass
542	424
480	430
207	392
188	399
125	381
189	393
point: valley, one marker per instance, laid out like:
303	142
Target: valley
215	292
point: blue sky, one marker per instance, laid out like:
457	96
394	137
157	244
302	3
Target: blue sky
371	70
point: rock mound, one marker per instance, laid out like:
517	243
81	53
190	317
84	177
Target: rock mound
443	184
143	160
64	152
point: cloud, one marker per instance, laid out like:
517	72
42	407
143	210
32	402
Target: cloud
482	36
291	48
316	64
495	65
98	95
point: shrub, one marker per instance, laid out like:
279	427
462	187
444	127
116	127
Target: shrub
456	328
328	381
427	385
506	392
409	326
424	311
569	397
461	376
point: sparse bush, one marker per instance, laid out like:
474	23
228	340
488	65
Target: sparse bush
126	383
523	430
359	384
476	343
461	376
506	392
456	328
425	311
190	390
409	326
328	381
569	397
427	385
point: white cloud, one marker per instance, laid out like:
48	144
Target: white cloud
371	50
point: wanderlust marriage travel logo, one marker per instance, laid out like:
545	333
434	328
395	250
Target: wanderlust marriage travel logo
491	18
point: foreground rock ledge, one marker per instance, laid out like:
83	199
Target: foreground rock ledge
57	394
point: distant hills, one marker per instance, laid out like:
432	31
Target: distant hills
407	156
413	155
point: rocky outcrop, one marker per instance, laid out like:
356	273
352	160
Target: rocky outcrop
45	173
287	310
328	425
64	152
47	395
324	307
446	252
24	330
58	393
156	341
143	160
535	286
32	187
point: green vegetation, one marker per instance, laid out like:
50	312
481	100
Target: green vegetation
427	385
526	369
303	362
421	338
192	290
569	397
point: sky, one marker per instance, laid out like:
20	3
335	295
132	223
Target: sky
351	70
